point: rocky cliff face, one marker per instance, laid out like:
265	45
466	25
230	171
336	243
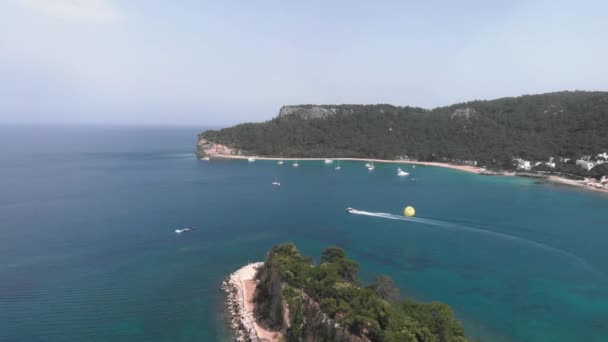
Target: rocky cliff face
464	113
205	147
270	308
298	319
307	111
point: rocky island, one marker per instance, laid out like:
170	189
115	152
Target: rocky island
288	298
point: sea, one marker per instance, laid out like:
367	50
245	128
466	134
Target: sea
88	250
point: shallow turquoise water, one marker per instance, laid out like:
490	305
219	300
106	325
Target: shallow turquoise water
88	250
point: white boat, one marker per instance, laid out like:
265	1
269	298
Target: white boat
367	164
251	159
280	162
371	166
276	183
328	161
179	231
349	210
338	167
295	164
205	158
402	173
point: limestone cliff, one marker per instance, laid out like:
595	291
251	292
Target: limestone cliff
307	111
290	310
205	147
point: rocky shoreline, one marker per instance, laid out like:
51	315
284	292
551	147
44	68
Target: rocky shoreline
241	317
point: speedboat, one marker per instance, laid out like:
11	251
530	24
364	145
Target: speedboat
251	159
401	173
328	161
295	164
276	183
179	231
280	162
338	167
205	158
349	210
367	164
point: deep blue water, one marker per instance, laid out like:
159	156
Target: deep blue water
88	252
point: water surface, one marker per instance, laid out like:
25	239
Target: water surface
88	250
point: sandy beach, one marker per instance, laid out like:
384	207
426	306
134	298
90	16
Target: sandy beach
239	287
577	183
466	168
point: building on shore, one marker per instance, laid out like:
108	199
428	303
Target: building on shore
523	164
585	164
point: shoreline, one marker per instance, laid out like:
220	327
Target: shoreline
575	183
240	287
465	168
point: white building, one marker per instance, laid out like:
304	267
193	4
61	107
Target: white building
523	164
603	156
585	164
550	164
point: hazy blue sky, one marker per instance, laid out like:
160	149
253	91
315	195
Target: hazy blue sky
221	62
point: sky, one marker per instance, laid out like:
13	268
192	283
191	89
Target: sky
223	62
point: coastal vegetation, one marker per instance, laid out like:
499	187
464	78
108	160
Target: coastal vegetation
563	125
327	302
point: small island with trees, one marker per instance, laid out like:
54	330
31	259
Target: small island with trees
289	298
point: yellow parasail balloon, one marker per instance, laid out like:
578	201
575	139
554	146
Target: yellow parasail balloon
409	211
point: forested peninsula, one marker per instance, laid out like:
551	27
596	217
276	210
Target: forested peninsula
294	299
559	128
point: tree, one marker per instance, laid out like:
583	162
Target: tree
385	288
599	171
332	254
347	269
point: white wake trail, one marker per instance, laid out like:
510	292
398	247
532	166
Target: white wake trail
516	239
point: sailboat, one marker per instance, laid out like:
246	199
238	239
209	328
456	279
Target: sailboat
295	164
401	173
276	183
338	167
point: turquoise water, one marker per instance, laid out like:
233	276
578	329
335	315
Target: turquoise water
88	252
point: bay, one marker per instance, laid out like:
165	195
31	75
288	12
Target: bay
88	251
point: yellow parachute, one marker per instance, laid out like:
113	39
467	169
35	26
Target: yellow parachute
409	211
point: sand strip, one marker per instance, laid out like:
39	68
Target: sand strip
240	287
